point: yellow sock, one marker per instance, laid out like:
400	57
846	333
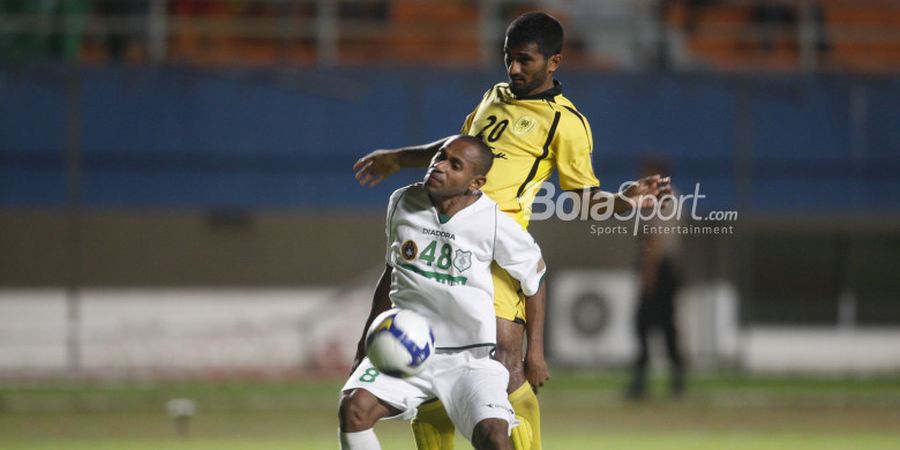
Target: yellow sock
526	436
432	427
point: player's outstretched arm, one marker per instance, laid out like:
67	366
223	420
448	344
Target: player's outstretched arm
638	194
536	371
381	302
380	164
641	193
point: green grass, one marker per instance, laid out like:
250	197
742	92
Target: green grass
578	441
580	411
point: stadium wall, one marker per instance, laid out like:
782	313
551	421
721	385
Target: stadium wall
184	138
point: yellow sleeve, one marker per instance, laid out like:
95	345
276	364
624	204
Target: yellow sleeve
468	123
573	155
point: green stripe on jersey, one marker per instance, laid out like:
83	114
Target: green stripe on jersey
465	347
436	276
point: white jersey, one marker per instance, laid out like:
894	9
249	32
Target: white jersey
441	268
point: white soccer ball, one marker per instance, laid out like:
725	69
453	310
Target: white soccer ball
399	343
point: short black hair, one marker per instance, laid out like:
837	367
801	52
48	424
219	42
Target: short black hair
540	28
485	157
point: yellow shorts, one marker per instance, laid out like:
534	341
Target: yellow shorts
509	301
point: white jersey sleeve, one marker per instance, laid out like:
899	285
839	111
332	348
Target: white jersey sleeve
388	223
517	252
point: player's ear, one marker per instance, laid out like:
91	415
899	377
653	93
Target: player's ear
553	62
477	183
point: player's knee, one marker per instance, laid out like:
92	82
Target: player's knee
356	411
491	434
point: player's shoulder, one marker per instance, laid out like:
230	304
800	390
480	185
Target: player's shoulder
500	86
411	190
408	200
486	202
481	210
497	92
505	224
568	107
405	193
571	121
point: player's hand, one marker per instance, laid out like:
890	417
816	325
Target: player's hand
376	166
536	372
645	190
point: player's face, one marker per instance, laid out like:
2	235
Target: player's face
529	71
451	172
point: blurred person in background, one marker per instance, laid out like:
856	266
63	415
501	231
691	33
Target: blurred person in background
659	270
118	43
533	130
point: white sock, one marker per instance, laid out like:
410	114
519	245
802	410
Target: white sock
360	440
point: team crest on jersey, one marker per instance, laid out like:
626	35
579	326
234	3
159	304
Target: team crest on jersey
462	260
409	250
524	125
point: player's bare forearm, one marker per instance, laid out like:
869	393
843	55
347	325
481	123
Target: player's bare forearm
638	194
380	164
419	155
599	201
622	204
381	302
536	371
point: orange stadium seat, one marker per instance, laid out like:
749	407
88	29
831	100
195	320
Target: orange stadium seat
434	32
863	35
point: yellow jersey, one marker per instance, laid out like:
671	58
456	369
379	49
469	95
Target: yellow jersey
530	137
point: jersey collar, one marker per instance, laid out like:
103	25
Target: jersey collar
549	94
482	201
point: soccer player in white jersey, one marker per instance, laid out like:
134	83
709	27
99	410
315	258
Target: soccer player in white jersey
442	237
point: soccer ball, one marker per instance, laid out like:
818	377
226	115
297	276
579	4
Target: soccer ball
399	343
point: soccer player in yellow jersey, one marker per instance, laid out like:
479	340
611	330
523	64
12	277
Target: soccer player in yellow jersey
532	130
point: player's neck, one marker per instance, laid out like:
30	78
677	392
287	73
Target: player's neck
549	84
449	206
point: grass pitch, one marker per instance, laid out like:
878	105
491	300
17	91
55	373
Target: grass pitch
580	412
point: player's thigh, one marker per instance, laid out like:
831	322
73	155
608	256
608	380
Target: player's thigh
509	302
404	395
510	338
474	393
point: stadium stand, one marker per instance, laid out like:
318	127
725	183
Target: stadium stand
723	35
